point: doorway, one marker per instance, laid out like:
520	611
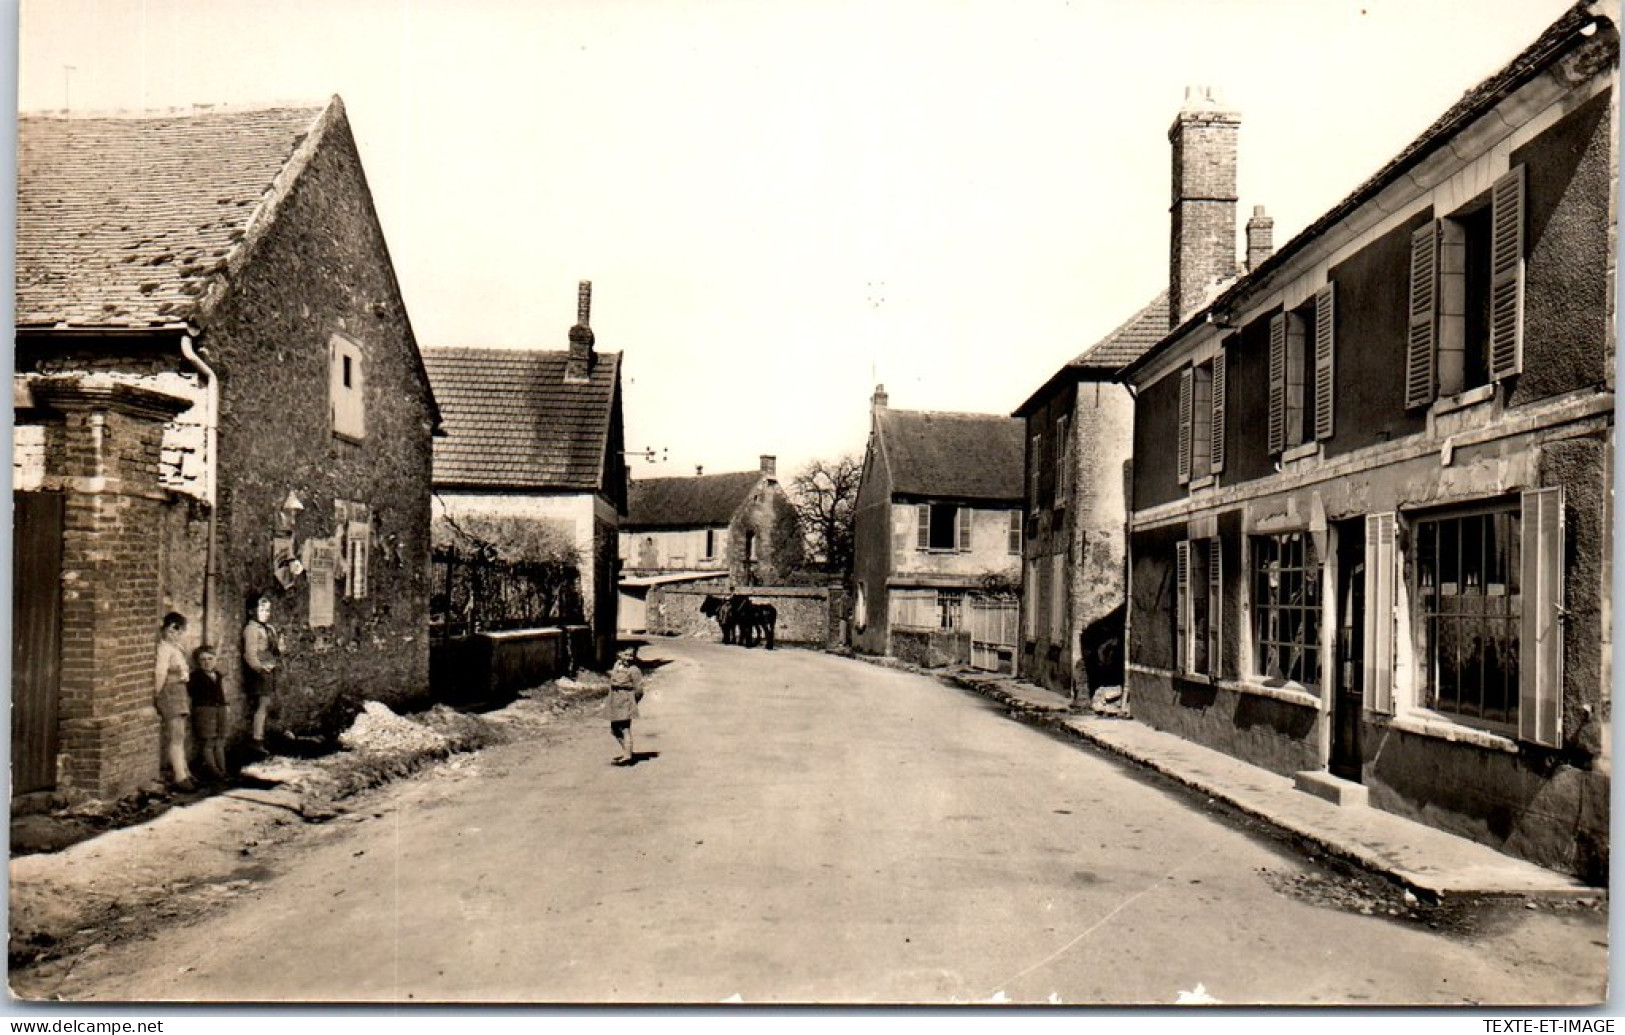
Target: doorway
36	639
1348	699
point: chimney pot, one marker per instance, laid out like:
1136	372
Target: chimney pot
770	466
699	469
1260	238
879	399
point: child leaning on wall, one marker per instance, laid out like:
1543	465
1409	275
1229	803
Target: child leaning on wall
209	716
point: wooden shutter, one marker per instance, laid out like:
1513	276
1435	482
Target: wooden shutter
1277	429
1182	605
1215	611
1506	275
1540	636
1216	438
1421	341
1381	563
964	530
1324	356
1186	401
923	518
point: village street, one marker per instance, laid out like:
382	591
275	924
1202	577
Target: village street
810	828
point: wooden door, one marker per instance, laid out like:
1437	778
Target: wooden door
36	638
1348	701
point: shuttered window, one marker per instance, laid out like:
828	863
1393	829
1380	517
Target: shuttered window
1421	342
1198	589
1506	274
1471	594
1063	460
942	526
1381	560
1277	372
1186	402
347	388
1324	357
1182	604
922	514
962	543
1216	435
1013	534
1540	679
1215	595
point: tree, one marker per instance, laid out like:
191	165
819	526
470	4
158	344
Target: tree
825	493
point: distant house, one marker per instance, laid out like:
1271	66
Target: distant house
741	524
1079	435
938	522
218	394
1371	512
538	435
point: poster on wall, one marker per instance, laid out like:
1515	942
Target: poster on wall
320	564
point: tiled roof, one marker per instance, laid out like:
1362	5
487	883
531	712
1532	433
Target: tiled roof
952	455
511	422
697	502
1126	344
123	221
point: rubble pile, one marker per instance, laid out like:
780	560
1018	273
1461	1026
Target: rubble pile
378	730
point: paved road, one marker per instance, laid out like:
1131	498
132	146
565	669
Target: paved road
816	829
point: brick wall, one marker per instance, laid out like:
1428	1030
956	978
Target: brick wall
103	453
1202	245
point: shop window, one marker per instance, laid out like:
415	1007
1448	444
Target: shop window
1286	609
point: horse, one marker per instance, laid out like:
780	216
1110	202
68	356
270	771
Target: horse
742	620
721	609
754	620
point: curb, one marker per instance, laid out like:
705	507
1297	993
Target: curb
1058	718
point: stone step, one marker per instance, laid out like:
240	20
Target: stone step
1334	789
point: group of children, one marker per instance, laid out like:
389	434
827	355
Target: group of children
193	694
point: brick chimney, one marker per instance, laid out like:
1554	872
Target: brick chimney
770	467
1260	238
1202	239
578	367
699	470
878	400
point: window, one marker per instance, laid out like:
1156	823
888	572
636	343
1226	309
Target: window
1035	463
1286	608
942	526
1466	296
1470	605
750	546
1013	534
346	388
1198	590
1195	423
710	544
1063	460
1301	373
950	608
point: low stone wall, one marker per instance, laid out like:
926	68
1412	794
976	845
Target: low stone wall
807	614
930	648
495	667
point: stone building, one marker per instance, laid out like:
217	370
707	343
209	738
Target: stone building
741	524
1379	556
937	525
218	394
538	435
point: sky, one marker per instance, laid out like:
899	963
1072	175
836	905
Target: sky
782	203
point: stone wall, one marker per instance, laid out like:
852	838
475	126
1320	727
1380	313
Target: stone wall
805	614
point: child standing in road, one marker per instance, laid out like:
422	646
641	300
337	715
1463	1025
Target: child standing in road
625	691
208	711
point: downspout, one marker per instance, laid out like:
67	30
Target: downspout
211	433
1128	552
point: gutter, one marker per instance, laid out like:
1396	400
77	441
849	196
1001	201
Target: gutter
211	439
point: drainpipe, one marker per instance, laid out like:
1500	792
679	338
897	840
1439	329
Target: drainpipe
211	432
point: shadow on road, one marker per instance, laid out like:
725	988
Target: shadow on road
637	756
